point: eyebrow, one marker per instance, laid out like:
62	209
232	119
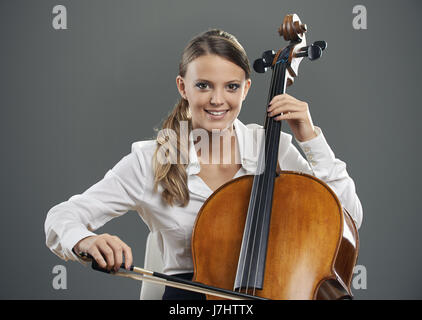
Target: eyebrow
204	80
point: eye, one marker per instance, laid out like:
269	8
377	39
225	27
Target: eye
234	86
201	85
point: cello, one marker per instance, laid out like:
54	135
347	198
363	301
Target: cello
285	234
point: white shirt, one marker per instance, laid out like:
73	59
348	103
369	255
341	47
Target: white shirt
129	186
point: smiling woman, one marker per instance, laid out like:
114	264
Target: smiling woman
213	82
210	96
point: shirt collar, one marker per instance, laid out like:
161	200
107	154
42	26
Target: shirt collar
248	151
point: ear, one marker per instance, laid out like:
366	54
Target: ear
246	88
181	86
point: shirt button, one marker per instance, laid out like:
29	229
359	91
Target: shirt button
313	163
306	149
310	156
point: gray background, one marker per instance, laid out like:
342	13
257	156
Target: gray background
72	102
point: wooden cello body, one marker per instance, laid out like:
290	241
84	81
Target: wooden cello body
313	242
277	236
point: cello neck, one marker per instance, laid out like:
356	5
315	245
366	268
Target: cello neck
251	265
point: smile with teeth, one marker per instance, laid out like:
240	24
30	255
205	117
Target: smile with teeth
217	113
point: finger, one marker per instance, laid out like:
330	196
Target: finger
95	253
278	97
107	252
127	251
117	252
285	116
290	116
286	102
283	108
128	256
281	97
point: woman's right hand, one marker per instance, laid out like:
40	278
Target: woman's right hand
107	251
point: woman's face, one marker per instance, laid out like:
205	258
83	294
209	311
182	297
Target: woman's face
213	84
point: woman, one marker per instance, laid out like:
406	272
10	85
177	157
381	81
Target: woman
168	179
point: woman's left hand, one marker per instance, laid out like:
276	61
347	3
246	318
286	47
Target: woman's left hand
296	113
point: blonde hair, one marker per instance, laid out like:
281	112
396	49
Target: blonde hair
173	176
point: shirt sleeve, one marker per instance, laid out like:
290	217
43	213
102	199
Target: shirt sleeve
118	192
321	162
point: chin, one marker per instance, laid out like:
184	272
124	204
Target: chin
220	126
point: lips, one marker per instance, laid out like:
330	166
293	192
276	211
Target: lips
216	111
216	114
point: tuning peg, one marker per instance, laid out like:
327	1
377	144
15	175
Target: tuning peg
268	57
261	65
314	52
321	44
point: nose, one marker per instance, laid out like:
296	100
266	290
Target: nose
217	97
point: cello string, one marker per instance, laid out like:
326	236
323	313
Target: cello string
247	234
268	174
254	195
280	83
262	180
256	214
257	217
